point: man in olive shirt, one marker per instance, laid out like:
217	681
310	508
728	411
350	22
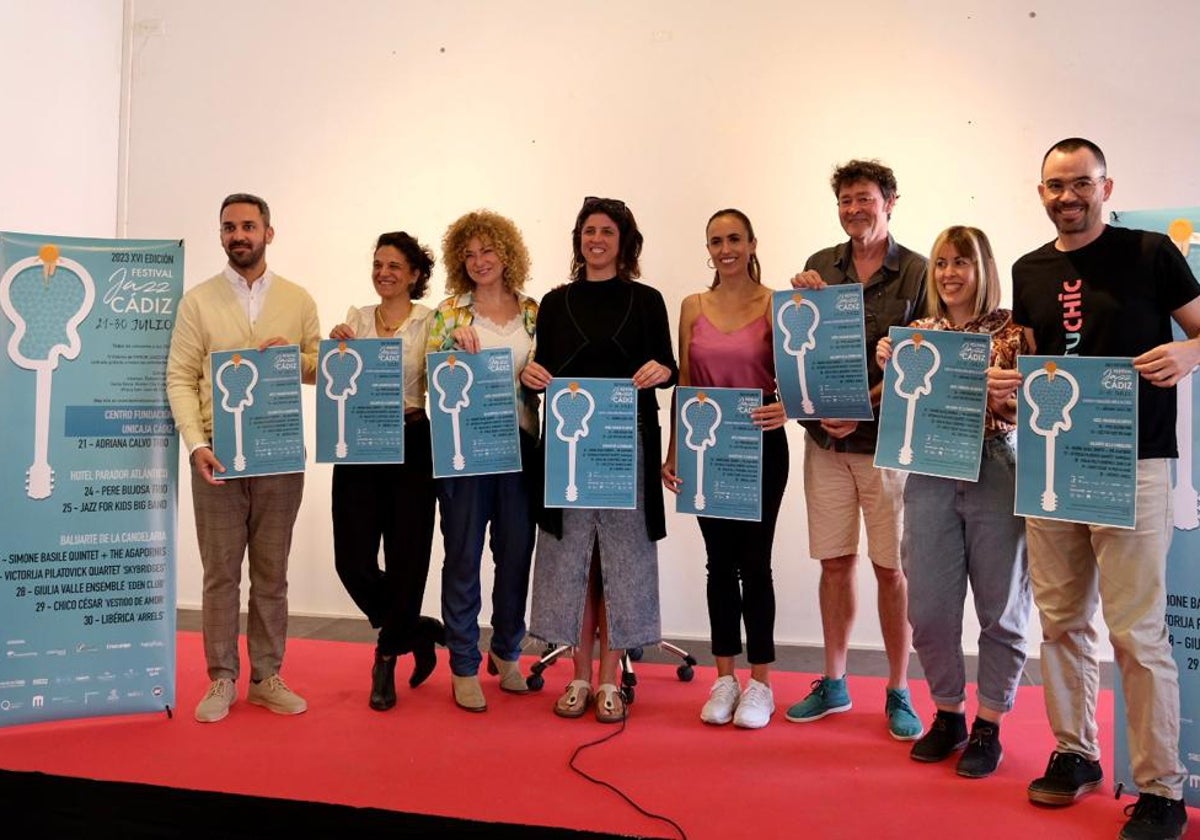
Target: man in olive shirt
839	475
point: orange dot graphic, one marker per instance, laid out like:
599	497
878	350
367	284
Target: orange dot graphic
48	254
1180	230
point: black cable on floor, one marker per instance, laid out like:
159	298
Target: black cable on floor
614	788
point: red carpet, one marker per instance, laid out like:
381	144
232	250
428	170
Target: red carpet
840	777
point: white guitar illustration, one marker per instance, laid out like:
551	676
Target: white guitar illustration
1051	393
701	417
915	361
236	379
46	297
799	318
453	381
572	407
1186	500
342	367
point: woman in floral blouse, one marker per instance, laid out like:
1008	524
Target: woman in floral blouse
957	532
487	265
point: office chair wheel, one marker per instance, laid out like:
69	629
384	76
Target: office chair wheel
629	694
685	673
535	682
634	654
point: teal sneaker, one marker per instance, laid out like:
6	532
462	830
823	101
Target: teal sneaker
828	696
903	722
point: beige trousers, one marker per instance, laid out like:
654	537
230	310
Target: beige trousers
245	517
1074	567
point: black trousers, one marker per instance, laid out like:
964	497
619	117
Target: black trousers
392	503
740	585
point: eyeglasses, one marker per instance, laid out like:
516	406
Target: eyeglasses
1082	187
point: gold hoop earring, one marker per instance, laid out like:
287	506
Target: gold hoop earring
710	264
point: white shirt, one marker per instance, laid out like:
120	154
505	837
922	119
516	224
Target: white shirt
493	336
415	334
251	296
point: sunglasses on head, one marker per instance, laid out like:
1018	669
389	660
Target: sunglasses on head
595	202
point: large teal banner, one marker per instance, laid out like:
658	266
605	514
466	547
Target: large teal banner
88	477
1183	570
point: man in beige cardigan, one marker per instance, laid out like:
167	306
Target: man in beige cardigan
244	306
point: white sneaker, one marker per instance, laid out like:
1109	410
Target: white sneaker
755	707
214	706
722	700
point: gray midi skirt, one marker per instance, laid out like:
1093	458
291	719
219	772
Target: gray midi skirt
628	569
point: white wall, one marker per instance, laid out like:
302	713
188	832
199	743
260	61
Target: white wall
60	68
373	115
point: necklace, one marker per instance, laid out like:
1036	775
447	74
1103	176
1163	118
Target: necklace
384	324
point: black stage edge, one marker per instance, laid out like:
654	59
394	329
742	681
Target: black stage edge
61	806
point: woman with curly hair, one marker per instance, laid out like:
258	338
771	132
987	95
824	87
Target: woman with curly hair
392	502
597	570
487	265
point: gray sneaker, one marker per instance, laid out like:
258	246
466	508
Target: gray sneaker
214	706
273	693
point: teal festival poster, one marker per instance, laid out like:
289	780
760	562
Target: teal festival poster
258	422
718	453
1077	439
473	413
360	401
88	476
820	353
1182	226
933	403
591	443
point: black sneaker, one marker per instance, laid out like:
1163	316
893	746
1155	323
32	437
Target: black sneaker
1068	777
1155	818
947	733
983	753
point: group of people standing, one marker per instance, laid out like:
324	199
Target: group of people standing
595	575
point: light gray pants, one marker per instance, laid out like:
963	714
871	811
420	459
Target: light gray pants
957	532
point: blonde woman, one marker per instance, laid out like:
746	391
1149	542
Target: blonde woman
960	532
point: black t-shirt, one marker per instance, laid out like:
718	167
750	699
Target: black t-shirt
1112	297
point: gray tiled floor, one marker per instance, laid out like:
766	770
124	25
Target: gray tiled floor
802	659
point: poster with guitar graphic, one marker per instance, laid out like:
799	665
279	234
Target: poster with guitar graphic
360	401
258	424
1077	439
933	403
88	476
591	443
1182	227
